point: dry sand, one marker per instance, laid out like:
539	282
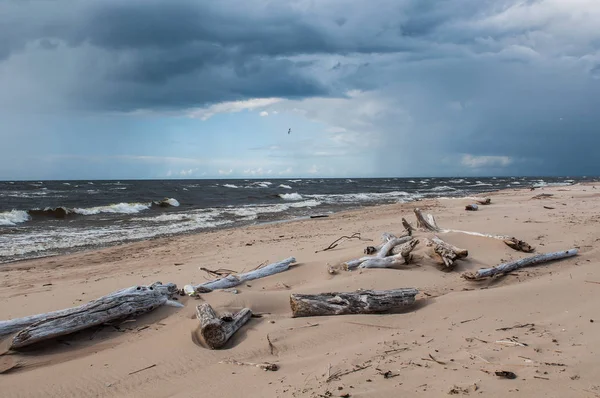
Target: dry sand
454	321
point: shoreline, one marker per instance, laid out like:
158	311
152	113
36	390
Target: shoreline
554	297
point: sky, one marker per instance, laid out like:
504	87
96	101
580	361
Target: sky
113	89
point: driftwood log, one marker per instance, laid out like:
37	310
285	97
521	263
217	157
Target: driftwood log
132	301
513	265
234	280
409	228
427	222
485	201
358	302
388	241
216	331
447	252
402	256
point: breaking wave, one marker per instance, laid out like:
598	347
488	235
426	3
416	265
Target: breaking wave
290	196
13	217
285	186
121	208
442	188
230	186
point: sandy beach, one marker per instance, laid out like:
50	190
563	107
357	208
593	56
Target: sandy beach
444	344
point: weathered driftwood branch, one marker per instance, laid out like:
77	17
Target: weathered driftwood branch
234	280
402	257
387	239
485	201
358	302
447	252
381	260
336	242
217	330
543	196
387	248
409	228
513	265
427	221
132	301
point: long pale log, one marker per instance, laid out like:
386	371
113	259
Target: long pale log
358	302
234	280
447	252
132	301
385	238
387	247
485	201
217	331
427	221
402	256
513	265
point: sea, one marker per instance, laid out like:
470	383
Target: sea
47	218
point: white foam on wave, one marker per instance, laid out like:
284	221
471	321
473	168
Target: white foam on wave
50	240
399	196
442	188
261	184
230	186
284	186
251	212
412	181
458	181
13	217
121	208
290	196
172	201
294	180
481	184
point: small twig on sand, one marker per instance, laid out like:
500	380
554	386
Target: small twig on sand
141	370
512	342
540	377
271	346
308	325
470	320
337	375
470	340
597	283
518	326
477	356
372	325
335	243
433	359
218	272
264	366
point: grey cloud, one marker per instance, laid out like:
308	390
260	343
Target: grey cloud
480	77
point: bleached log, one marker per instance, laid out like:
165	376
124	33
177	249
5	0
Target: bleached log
409	228
386	248
234	280
358	302
402	256
216	331
447	252
428	222
513	265
485	201
132	301
405	250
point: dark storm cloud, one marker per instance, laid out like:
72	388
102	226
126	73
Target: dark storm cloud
505	83
227	50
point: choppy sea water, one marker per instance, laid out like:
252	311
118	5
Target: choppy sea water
46	218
